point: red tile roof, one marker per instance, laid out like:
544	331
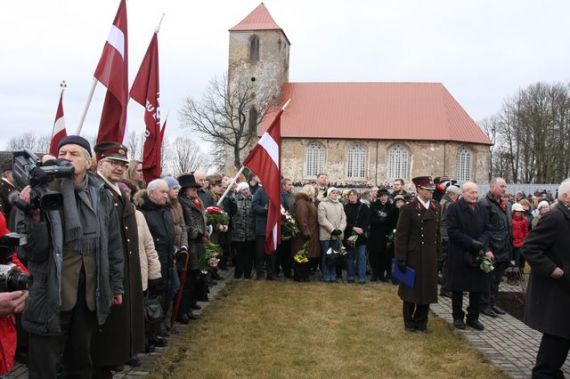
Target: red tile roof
258	19
384	111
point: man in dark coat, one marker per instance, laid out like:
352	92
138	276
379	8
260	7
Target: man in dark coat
451	195
379	229
547	249
500	227
417	244
122	336
467	232
263	261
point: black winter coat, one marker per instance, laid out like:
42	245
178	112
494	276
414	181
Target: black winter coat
357	215
379	224
547	247
260	205
464	227
500	228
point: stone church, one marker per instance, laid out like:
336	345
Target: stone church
357	133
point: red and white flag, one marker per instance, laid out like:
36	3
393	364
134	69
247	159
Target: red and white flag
265	161
59	130
146	92
112	72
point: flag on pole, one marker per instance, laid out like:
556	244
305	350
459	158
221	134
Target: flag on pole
59	130
265	161
146	92
112	72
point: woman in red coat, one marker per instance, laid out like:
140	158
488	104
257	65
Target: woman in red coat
520	231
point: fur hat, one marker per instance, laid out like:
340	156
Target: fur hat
241	186
332	189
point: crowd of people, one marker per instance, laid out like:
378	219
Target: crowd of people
123	260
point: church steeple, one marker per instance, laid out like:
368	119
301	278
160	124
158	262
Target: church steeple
258	19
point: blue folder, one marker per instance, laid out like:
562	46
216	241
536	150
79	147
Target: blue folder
408	277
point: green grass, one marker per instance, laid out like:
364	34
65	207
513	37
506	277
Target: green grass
259	329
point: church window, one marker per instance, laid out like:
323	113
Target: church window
464	159
252	120
314	159
254	48
398	162
356	158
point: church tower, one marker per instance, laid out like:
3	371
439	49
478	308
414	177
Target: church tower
258	57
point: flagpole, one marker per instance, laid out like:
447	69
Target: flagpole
159	24
89	98
63	85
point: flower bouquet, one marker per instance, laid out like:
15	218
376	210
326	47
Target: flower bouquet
217	216
301	263
210	257
351	241
485	264
390	239
290	227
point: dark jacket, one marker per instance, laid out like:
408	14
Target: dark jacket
305	213
44	254
379	224
243	222
547	247
466	227
194	216
417	243
357	215
500	228
122	336
260	205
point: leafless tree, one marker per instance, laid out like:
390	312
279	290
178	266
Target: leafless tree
38	144
135	144
187	156
228	115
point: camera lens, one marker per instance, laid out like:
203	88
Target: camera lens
17	281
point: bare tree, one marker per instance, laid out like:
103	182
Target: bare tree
135	145
38	144
228	115
186	156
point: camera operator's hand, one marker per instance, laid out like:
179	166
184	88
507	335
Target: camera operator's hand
12	302
117	299
26	197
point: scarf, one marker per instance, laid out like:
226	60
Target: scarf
81	221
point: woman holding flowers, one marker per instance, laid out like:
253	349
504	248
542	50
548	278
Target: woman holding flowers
243	231
357	219
305	213
332	222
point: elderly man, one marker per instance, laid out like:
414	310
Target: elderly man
501	227
417	243
451	194
122	336
468	234
76	259
203	193
548	297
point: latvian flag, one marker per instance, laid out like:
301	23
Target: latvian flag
58	128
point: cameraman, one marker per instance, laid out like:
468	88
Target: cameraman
75	256
10	304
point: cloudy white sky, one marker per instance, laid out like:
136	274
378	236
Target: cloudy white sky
481	50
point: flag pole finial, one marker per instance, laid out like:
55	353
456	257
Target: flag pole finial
160	23
63	84
286	105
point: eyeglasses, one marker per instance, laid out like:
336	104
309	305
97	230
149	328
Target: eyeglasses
116	163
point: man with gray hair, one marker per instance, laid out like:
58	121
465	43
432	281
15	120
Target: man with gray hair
500	227
548	297
452	193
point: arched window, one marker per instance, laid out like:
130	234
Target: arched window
314	159
356	161
398	162
252	122
254	48
464	159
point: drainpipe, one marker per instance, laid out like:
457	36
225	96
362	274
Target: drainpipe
445	159
376	175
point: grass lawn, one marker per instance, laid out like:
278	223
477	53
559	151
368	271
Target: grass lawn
261	329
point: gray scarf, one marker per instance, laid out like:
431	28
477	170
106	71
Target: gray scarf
81	224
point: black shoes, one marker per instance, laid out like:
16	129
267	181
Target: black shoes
445	293
458	323
498	310
195	307
475	324
410	329
488	311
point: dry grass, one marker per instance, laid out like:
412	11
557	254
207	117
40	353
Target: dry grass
316	330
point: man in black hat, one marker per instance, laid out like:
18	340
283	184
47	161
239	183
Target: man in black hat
417	243
76	259
6	189
122	336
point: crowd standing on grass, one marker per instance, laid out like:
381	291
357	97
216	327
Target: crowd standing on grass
123	261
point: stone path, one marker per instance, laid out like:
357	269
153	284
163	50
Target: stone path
506	341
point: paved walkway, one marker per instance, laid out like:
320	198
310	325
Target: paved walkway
506	341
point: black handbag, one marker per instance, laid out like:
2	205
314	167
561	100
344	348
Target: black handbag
333	257
152	308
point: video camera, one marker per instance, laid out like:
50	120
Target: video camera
27	170
11	278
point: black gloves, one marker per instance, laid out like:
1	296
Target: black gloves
336	232
402	266
476	246
156	287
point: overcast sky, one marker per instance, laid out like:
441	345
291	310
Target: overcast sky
481	50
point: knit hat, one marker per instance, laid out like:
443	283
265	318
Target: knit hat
517	207
75	140
240	187
543	204
172	182
453	189
332	189
399	197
